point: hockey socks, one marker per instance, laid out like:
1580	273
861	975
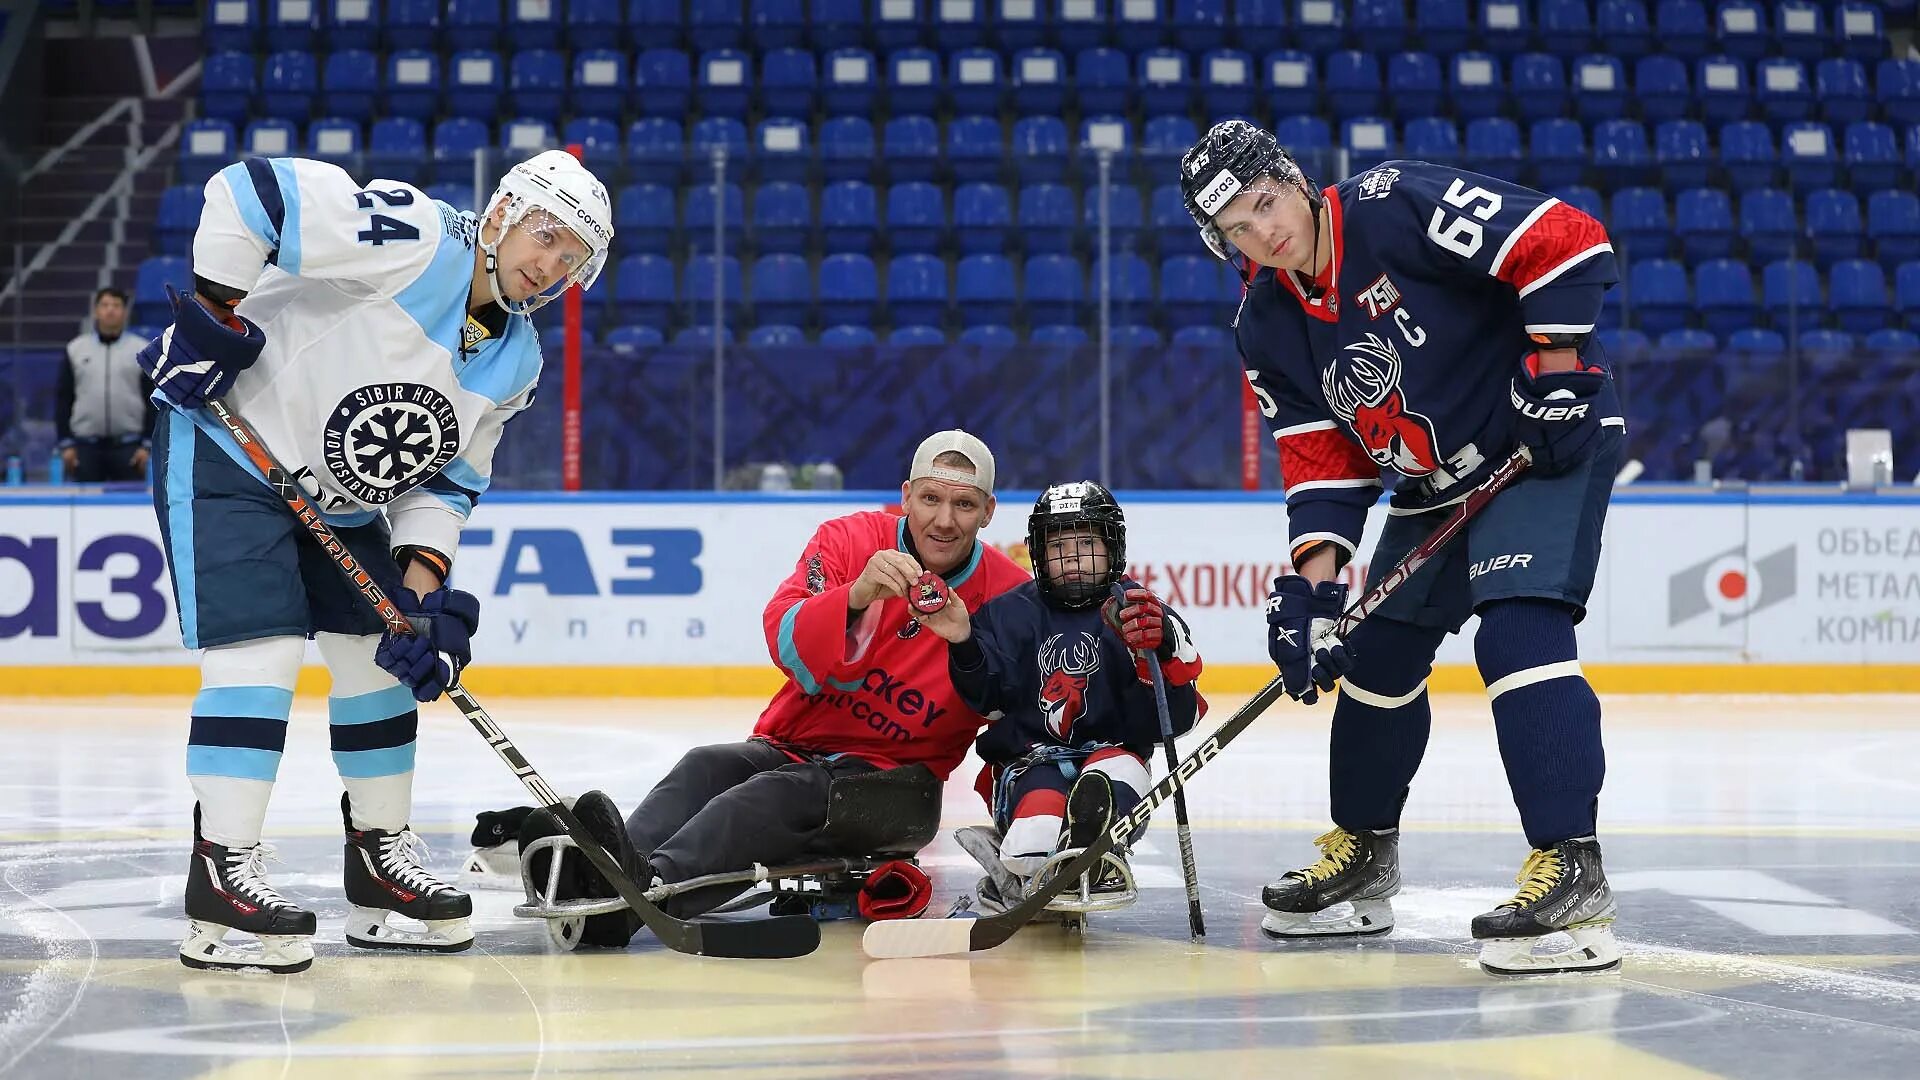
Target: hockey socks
1547	717
1380	723
238	732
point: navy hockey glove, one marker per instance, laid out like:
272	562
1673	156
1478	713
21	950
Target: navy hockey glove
1298	615
197	357
1558	414
431	658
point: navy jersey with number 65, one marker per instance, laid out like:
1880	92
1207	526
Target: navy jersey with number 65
1440	281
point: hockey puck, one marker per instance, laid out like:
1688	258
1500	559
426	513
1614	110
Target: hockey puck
929	593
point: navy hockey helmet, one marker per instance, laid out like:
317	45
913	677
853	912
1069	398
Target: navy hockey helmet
1063	507
1228	158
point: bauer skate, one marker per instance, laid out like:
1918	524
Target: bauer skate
1563	889
385	876
227	890
1348	893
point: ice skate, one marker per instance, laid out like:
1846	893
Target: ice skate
1563	890
553	891
385	876
227	890
1109	886
494	862
1346	894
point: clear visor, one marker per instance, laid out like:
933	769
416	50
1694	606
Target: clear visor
581	264
1252	208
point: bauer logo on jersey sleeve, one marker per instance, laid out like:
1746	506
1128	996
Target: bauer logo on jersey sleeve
1219	191
385	438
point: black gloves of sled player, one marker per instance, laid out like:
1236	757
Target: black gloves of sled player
197	357
431	658
1298	615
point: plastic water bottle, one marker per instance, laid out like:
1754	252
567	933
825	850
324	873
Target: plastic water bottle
56	469
775	476
15	477
826	476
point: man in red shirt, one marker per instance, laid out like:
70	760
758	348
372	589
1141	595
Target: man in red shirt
867	688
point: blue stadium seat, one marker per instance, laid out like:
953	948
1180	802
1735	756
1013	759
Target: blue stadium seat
1039	149
849	288
698	337
976	149
1107	134
534	24
643	291
1893	224
1565	26
714	24
1897	85
1724	293
1539	86
1102	80
1683	153
1130	281
395	146
780	149
849	80
916	337
701	207
1680	26
1800	29
847	336
774	335
1781	89
1318	27
1039	81
1623	26
523	136
1368	141
788	82
914	81
1503	26
897	25
593	24
455	142
1703	220
599	86
409	24
1291	83
1139	25
656	151
336	140
1834	226
976	82
1199	25
910	146
1047	217
1661	87
1599	87
696	288
1190	291
725	82
1582	198
1721	84
960	24
149	287
1768	223
997	336
413	84
1413	84
1639	222
915	219
288	83
1258	26
782	290
1432	138
644	217
1164	141
1892	343
849	215
777	24
1808	152
270	138
847	147
1377	25
1057	335
599	142
1860	30
1173	229
1857	293
1352	80
227	86
1054	287
1165	85
917	290
1747	154
349	80
663	82
1741	28
782	218
1303	135
1906	293
475	80
1791	294
1135	336
231	27
1493	147
1204	339
1872	156
472	24
983	288
1475	85
1441	26
1841	87
1558	151
1128	213
347	24
836	24
628	341
1913	148
982	215
1659	293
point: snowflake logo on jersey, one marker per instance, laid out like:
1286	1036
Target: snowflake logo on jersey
383	439
1363	388
1378	182
1064	674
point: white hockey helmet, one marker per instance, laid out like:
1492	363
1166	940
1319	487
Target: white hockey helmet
556	182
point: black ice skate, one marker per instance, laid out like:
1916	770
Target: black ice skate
1109	886
555	893
227	890
1360	870
1563	889
385	877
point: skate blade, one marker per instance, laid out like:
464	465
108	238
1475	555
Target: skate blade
496	867
1591	950
368	929
1361	919
205	949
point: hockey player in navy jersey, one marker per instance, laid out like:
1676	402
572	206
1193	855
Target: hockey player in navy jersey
1426	321
1059	667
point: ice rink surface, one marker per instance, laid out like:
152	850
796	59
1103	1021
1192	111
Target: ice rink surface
1766	852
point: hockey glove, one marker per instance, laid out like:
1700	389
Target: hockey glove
895	890
1143	623
198	356
1558	414
1298	616
431	658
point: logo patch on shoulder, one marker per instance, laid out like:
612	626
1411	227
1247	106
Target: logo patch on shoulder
1378	182
383	439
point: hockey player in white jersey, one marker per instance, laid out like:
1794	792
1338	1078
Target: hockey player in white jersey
379	342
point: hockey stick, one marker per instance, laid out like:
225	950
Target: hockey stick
943	937
770	938
1196	920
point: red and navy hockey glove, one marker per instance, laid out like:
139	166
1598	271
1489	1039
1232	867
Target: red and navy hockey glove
198	357
1142	622
1558	415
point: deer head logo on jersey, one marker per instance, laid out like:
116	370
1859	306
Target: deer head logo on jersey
1064	672
1363	388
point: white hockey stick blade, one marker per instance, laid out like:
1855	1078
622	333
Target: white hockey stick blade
894	939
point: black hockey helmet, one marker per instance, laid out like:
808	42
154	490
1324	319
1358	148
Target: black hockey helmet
1229	157
1081	504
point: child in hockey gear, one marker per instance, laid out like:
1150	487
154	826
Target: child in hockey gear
1063	664
1360	870
227	890
379	341
1429	321
1563	889
385	877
